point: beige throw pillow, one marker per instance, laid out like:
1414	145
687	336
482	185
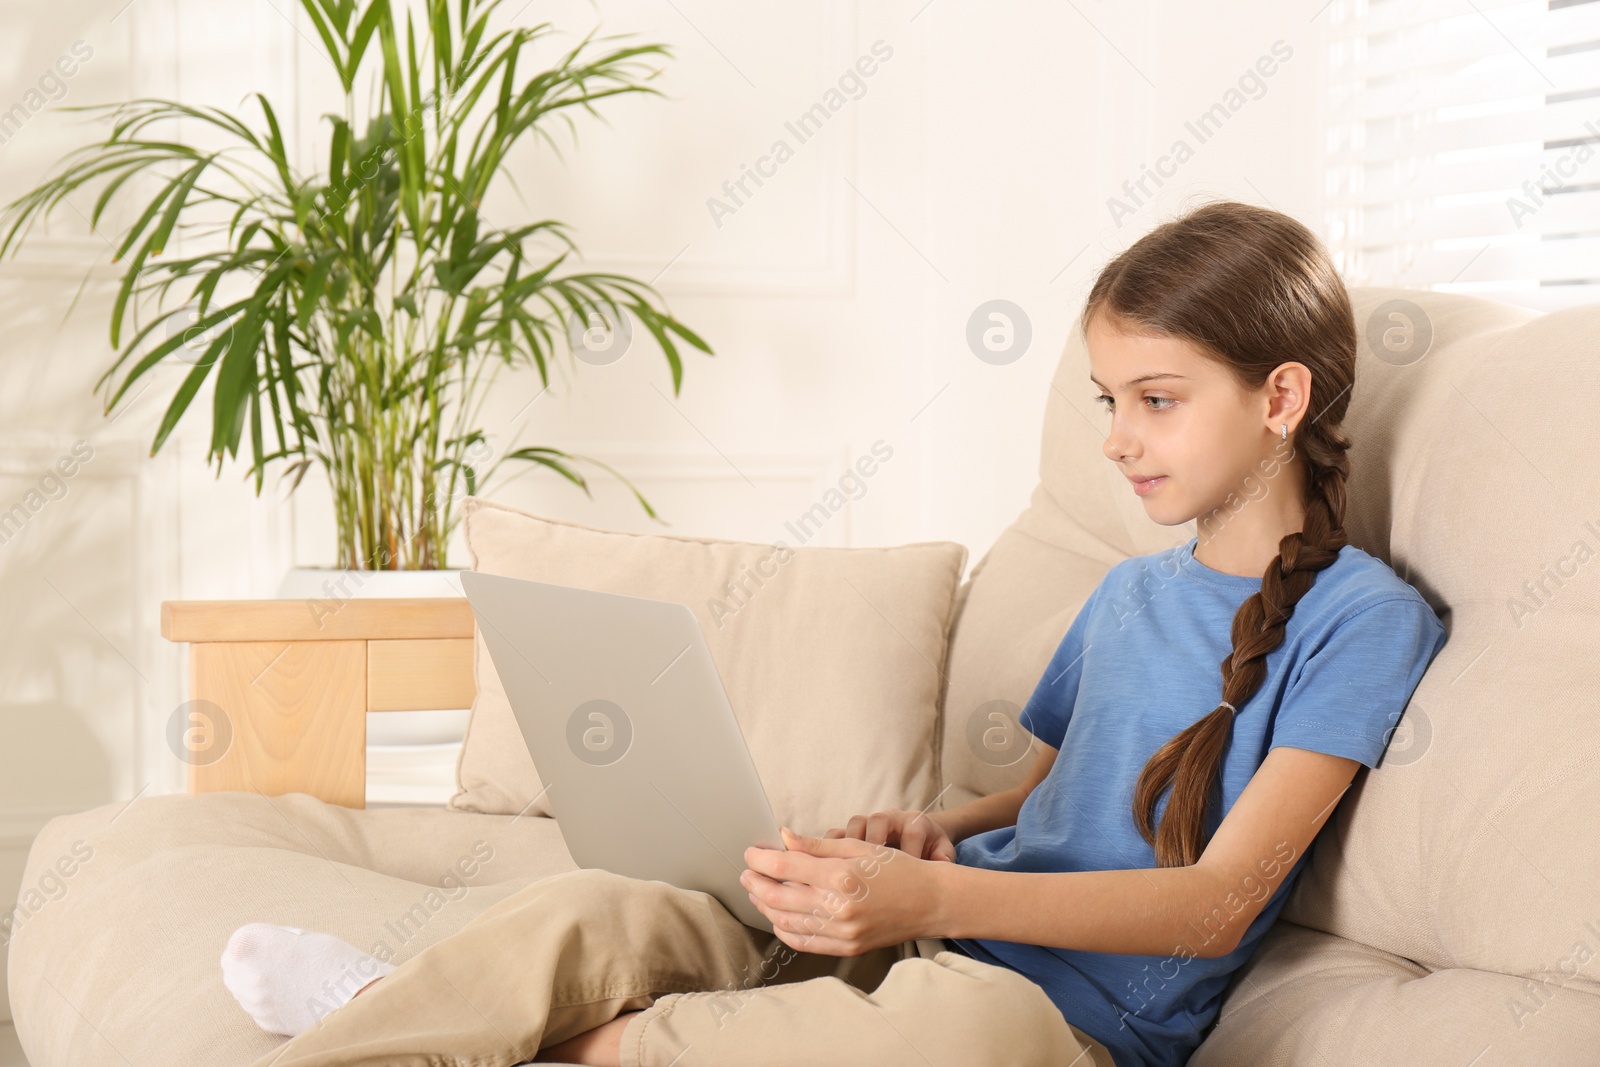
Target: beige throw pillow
833	658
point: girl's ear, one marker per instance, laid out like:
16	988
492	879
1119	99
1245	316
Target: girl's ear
1288	393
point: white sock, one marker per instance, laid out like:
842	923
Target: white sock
288	978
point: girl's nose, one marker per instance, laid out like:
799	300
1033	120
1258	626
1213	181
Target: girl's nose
1117	446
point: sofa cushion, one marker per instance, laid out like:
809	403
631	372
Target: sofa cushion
832	658
1309	999
125	909
1479	463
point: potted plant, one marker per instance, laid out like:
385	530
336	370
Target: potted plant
356	318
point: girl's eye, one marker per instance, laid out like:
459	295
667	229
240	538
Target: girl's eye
1110	403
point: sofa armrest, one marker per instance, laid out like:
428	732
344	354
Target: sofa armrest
279	689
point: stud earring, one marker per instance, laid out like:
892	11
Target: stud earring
1285	430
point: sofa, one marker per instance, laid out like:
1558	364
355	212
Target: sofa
1448	914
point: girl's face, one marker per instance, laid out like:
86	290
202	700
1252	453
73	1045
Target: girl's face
1175	416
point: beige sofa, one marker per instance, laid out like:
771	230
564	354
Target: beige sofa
1449	914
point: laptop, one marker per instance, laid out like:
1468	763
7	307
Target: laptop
626	718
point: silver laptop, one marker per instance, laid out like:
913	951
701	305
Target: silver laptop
630	729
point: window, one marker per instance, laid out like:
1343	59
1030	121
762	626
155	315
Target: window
1463	147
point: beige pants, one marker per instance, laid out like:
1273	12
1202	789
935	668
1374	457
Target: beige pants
574	950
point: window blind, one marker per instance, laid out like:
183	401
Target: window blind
1463	147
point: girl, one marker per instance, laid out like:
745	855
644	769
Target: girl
1197	725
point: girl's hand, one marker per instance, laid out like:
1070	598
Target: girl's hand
843	897
910	831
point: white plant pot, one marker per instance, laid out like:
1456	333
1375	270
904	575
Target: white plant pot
441	729
331	583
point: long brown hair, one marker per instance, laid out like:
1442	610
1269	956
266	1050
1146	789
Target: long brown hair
1251	288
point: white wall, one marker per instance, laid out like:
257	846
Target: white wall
976	165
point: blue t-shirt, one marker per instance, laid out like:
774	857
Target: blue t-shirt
1140	663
